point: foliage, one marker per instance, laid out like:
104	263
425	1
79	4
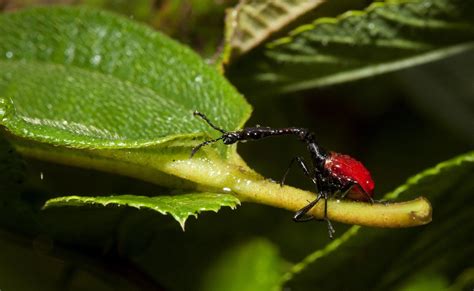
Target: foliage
385	36
178	206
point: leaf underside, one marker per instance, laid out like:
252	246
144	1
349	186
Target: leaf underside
386	36
181	207
251	22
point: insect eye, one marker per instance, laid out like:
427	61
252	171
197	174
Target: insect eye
229	139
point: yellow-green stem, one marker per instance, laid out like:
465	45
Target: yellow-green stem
212	173
250	187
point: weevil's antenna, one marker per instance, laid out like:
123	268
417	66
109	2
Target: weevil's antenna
196	148
204	117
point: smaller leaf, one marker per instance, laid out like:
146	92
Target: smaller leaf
179	206
250	23
386	36
426	281
254	265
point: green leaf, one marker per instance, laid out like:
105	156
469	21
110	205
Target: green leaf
250	23
83	78
180	206
437	180
386	36
254	265
422	282
449	186
407	253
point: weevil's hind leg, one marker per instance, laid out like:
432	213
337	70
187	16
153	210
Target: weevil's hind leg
303	166
371	200
300	215
199	146
348	188
346	191
204	117
331	229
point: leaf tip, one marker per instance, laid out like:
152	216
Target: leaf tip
182	223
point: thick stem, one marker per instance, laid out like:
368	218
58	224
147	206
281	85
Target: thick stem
212	173
251	187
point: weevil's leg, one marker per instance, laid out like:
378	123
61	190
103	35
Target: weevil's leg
350	186
302	165
347	190
300	215
371	200
196	148
204	117
331	230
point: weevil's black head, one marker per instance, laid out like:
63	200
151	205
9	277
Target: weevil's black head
230	138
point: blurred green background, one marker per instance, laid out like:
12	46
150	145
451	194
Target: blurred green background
397	124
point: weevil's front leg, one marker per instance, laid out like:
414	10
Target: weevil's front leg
331	229
199	146
300	215
302	165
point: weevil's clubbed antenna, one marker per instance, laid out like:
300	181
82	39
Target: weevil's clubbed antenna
199	146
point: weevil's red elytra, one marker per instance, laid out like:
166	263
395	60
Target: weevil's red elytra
350	170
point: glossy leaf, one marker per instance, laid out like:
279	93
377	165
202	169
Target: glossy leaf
83	78
421	250
386	36
181	207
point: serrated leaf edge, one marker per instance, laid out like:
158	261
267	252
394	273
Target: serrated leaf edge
88	200
457	161
335	20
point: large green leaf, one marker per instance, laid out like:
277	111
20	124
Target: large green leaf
438	248
179	206
386	36
84	78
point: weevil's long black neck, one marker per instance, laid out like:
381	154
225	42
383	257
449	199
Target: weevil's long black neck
318	154
256	133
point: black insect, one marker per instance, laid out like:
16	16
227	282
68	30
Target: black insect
330	172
